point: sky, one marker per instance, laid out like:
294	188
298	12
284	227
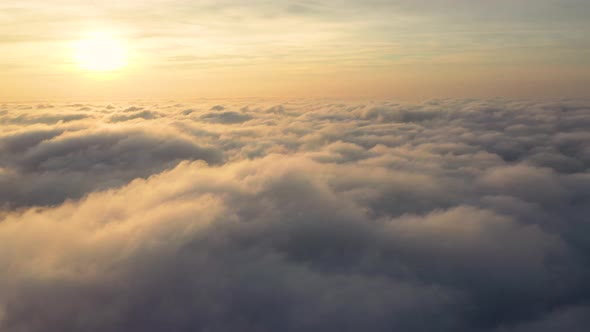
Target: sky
260	48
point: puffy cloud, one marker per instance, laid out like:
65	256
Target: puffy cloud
145	115
218	108
226	117
46	165
309	216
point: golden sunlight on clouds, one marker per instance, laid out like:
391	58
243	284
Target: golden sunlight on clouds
294	165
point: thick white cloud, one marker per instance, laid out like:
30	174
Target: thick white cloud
298	216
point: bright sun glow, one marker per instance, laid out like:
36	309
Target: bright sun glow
100	52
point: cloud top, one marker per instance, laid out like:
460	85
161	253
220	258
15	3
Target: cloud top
299	216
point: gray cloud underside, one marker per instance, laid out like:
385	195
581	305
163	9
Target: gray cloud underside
297	216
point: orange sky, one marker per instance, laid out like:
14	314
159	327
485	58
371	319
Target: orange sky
344	48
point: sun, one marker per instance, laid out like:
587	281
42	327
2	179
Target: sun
100	52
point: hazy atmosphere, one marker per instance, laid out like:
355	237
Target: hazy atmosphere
269	166
261	48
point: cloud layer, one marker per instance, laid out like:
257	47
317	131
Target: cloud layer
255	215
